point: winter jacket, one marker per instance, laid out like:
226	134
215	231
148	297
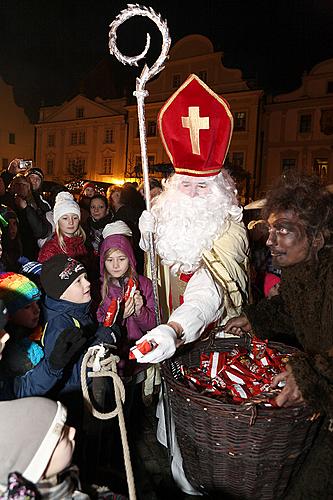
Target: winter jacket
133	327
303	310
75	248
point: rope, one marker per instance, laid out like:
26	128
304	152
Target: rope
107	367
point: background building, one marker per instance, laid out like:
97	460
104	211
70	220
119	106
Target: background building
298	128
98	138
16	131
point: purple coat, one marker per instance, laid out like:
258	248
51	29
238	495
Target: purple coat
135	326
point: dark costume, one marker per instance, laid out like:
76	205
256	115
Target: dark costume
304	310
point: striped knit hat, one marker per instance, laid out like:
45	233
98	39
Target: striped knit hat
17	291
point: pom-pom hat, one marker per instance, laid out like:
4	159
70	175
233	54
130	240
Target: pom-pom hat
196	125
64	205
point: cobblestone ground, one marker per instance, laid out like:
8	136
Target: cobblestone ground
150	463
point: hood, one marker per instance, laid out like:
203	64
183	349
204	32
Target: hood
121	243
53	308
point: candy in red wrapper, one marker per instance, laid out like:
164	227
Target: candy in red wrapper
217	360
111	313
139	350
130	289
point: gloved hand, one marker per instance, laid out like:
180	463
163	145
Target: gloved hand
69	343
166	340
147	224
108	334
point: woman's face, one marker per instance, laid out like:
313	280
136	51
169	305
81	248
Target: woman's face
68	224
98	209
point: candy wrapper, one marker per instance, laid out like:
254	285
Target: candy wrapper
111	313
241	376
130	289
139	350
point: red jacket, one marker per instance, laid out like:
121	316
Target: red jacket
75	248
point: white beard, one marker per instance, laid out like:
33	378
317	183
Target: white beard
187	226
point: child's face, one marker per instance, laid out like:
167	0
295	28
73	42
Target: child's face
27	316
12	228
89	191
117	264
79	291
69	224
63	452
98	209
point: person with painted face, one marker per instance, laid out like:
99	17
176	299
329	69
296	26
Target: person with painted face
299	215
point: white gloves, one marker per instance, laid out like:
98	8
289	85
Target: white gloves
147	225
166	340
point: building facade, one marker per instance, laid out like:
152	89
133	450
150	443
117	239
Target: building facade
16	131
100	137
298	128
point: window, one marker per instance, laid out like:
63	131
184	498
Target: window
74	138
11	138
51	140
175	81
49	166
107	166
151	128
203	76
82	137
240	121
288	164
305	122
79	113
238	159
76	166
151	160
78	137
330	87
320	167
108	136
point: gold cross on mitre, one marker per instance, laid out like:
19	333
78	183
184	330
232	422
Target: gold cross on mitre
195	123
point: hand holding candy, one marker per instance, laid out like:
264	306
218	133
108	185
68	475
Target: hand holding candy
129	308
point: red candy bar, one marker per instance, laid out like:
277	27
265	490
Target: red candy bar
139	350
130	289
112	312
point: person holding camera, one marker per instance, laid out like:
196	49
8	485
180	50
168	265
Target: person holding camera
15	167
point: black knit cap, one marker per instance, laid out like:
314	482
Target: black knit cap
58	273
36	171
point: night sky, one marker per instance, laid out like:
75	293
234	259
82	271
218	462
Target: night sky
48	46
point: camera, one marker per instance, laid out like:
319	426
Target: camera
25	164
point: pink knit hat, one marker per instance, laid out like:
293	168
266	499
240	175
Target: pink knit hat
270	281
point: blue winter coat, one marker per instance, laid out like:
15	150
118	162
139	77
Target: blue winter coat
59	315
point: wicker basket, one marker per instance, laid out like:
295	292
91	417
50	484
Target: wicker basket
240	451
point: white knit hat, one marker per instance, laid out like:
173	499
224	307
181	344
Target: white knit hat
117	227
65	204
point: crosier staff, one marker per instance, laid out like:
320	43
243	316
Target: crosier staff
140	93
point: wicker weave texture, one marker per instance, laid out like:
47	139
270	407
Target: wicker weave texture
245	452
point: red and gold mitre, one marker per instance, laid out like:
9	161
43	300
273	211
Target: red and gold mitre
196	125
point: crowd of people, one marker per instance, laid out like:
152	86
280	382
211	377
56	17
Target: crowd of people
74	274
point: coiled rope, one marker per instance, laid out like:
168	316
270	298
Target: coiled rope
107	367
